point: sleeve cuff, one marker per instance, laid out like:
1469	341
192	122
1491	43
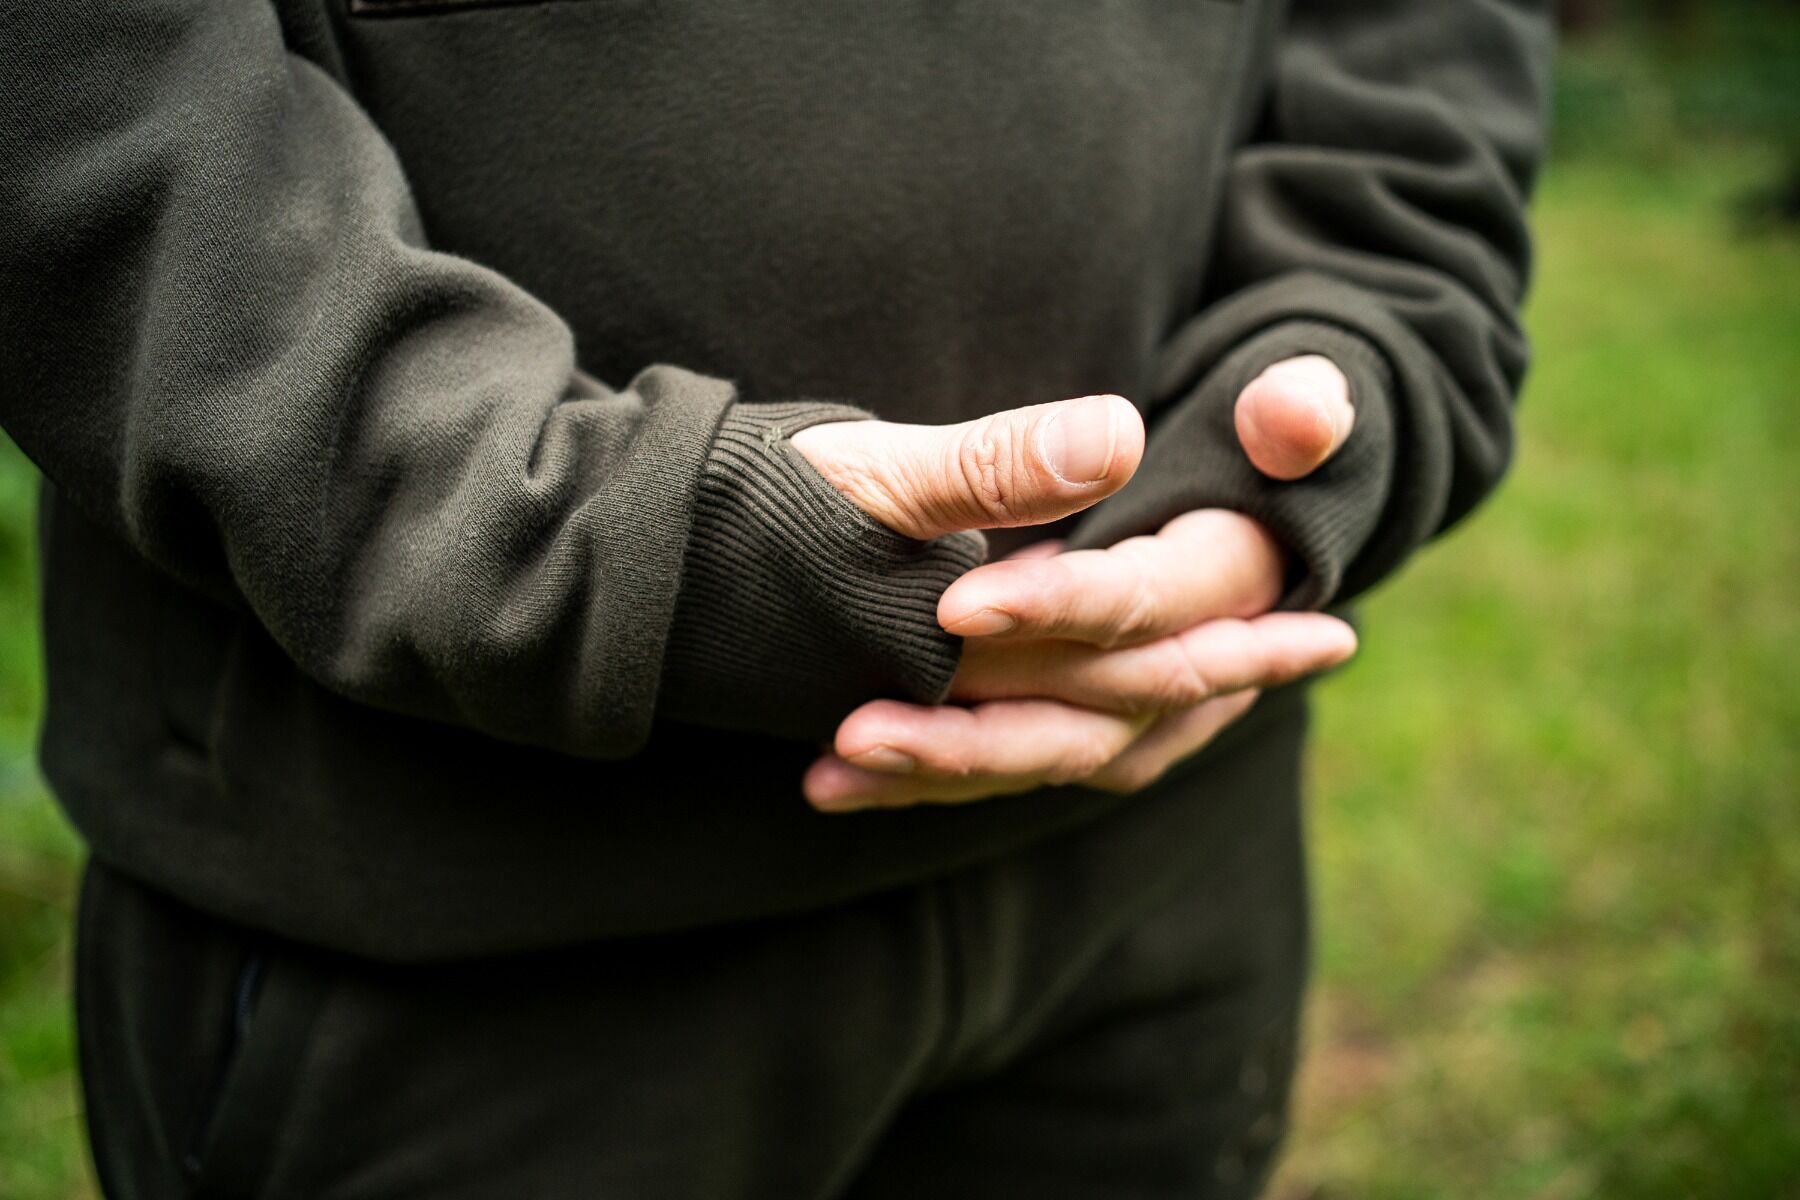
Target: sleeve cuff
1193	460
795	605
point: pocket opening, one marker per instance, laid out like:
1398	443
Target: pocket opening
241	1012
274	1007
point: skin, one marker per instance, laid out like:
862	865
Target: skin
1099	667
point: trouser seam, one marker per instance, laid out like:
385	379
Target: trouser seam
944	912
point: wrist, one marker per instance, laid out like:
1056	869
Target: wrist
794	606
1323	520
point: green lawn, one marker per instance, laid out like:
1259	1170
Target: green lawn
1554	802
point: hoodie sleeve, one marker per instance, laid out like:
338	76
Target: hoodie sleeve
224	337
1376	216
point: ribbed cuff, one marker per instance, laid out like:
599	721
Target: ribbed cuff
1194	460
795	605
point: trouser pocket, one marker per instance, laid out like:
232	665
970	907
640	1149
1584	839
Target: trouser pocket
192	1035
274	1005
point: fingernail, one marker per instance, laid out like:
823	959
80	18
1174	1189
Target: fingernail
1079	439
885	759
1340	417
984	622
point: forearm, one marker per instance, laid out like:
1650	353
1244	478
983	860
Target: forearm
227	340
1376	217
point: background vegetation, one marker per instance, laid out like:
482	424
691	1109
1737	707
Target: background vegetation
1554	809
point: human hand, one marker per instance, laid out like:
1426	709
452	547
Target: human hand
1025	466
1099	667
1106	667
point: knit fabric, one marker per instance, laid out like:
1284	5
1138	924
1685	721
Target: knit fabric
1194	461
790	588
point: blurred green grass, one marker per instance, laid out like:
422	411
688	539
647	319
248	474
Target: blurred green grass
1554	802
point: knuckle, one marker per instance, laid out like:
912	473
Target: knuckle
1086	756
1142	696
1184	677
988	462
1140	615
1056	597
882	491
1140	609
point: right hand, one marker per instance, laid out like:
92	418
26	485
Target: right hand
1026	466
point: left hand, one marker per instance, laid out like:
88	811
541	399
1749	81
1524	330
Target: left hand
1106	667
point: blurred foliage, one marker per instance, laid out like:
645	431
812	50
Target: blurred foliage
1658	80
1555	829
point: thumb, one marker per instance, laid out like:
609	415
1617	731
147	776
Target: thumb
1294	416
1025	466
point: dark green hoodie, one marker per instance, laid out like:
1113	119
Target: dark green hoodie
426	569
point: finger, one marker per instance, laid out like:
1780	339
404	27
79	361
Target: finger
1026	466
942	751
1294	416
1178	736
1207	660
832	785
1203	564
1018	737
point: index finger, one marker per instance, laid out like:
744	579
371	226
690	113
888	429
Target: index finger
1204	564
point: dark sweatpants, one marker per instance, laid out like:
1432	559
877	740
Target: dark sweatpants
1110	1014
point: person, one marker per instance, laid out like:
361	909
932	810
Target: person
522	646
